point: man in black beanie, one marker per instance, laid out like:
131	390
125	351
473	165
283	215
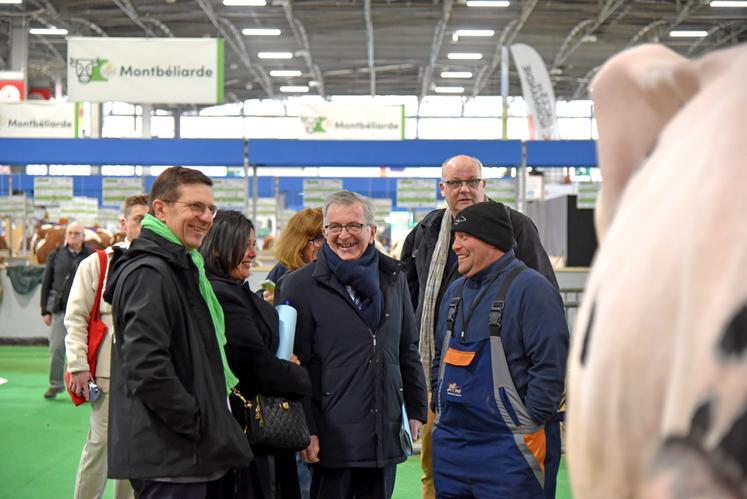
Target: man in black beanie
498	373
430	265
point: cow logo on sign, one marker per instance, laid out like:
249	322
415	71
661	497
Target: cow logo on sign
88	70
314	124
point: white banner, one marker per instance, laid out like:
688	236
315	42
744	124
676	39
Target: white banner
382	209
17	206
145	70
537	90
114	190
52	190
37	119
315	191
230	193
344	122
502	190
81	209
416	193
587	195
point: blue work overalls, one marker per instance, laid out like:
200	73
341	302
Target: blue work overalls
485	444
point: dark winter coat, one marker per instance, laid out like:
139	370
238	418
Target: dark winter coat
359	376
417	252
252	340
168	414
58	278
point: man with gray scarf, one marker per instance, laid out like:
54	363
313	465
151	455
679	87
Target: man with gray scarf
431	265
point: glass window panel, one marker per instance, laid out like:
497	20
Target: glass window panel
119	126
460	128
230	109
264	107
36	169
483	106
81	170
574	128
122	108
574	109
256	127
436	105
162	126
411	128
516	107
518	128
211	127
118	170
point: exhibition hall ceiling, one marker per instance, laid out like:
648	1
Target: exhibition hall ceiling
381	47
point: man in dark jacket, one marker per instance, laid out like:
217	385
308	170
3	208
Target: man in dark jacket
170	431
431	265
356	335
62	263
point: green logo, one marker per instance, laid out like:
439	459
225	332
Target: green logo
88	70
314	124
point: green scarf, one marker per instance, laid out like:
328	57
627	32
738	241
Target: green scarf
206	290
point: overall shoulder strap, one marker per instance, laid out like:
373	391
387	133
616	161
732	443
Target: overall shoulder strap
496	308
451	314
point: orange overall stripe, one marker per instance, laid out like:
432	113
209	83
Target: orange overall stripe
538	446
458	357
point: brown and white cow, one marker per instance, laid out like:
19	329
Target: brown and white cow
657	400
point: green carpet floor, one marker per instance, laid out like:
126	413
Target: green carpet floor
41	439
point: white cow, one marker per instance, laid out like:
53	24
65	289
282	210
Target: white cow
657	402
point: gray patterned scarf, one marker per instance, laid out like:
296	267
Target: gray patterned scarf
432	286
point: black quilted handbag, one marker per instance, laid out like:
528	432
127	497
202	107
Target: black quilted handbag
274	422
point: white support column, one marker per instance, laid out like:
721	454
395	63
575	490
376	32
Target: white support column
19	49
147	113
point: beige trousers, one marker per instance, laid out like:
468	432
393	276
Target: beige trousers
426	460
90	480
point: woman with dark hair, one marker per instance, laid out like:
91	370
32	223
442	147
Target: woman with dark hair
252	340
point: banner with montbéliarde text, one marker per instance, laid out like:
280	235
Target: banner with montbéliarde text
343	122
38	119
145	70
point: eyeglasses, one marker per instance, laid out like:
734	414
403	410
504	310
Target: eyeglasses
457	184
198	208
352	228
318	241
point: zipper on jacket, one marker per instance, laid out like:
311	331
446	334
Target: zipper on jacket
377	400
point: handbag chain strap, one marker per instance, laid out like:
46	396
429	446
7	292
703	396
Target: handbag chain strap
254	407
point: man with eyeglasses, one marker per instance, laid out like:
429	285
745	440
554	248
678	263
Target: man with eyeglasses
356	335
170	431
430	264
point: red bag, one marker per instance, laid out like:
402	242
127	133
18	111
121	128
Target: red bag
96	329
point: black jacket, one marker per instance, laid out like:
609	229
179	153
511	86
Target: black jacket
168	414
252	340
359	376
58	278
420	243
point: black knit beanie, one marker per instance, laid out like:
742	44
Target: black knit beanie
487	221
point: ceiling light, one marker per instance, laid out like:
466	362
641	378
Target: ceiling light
285	72
449	90
260	31
245	3
456	74
48	31
290	89
728	3
10	1
275	55
313	83
464	55
684	33
474	32
487	3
